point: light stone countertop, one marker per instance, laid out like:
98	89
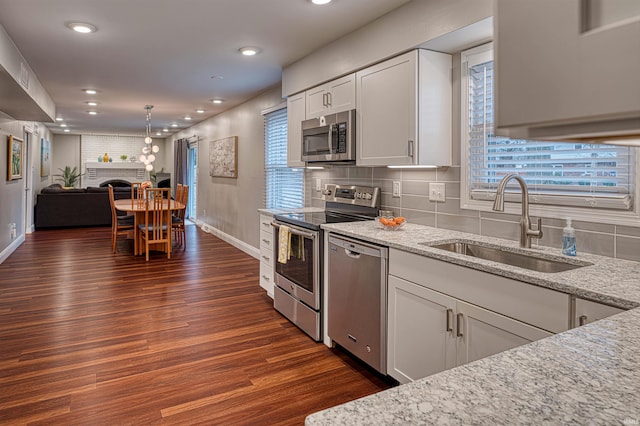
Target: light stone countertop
587	375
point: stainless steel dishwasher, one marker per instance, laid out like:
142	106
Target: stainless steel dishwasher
357	299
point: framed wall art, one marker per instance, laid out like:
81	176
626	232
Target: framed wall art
45	156
14	158
223	157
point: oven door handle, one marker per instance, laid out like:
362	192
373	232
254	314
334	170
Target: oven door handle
295	231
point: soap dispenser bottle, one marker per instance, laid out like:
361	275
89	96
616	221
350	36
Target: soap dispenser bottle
569	239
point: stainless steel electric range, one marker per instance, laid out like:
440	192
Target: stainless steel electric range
297	293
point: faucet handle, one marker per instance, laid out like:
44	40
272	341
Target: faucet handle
539	230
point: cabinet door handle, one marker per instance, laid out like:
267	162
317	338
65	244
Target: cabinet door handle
459	325
582	320
449	319
266	258
410	148
266	241
329	100
324	99
266	278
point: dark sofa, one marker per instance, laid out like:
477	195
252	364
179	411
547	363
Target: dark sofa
59	208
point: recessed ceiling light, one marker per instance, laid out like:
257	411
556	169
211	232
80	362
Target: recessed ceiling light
249	51
174	125
63	125
217	101
91	103
320	1
165	130
92	112
90	91
81	27
188	117
59	119
67	130
158	133
200	111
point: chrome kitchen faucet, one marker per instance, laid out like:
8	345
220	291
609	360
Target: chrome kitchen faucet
526	232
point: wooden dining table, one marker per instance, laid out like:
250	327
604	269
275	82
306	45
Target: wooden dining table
138	208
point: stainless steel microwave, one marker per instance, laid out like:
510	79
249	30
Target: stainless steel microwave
330	138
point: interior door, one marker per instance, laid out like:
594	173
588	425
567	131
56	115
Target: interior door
27	202
192	176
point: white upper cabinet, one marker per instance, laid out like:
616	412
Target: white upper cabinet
568	69
295	116
335	96
404	111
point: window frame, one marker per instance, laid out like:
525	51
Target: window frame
266	197
629	217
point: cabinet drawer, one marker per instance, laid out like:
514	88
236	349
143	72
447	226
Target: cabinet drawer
266	256
266	278
266	240
265	223
541	307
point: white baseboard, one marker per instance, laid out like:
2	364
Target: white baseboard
250	250
11	248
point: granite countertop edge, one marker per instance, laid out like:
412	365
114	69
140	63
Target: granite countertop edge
586	375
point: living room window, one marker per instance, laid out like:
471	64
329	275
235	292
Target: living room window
284	185
577	179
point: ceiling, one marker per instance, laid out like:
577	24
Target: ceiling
177	55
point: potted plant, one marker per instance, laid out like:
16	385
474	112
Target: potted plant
123	157
69	176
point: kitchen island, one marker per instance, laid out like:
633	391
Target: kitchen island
587	375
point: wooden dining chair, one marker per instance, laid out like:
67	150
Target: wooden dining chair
178	218
137	193
120	225
156	228
179	191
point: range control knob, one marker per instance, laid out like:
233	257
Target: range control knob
368	196
326	192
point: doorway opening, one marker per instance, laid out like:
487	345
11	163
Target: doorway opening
192	177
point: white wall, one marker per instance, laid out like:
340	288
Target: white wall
65	151
402	29
12	193
230	205
76	150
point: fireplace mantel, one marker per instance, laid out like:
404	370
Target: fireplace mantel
98	172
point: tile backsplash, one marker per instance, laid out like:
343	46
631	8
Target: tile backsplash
603	239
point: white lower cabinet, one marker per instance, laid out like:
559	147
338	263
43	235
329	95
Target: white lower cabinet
483	333
482	314
419	343
587	312
431	332
266	254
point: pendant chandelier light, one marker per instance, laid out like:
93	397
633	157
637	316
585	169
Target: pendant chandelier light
149	150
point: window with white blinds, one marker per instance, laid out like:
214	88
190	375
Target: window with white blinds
284	185
566	174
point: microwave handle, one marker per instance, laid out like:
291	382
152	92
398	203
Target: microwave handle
330	138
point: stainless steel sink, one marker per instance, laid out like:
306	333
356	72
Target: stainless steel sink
507	257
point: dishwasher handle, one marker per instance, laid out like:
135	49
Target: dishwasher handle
352	254
357	247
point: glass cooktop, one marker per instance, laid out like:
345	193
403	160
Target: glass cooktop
315	219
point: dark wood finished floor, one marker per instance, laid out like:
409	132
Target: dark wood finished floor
88	337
